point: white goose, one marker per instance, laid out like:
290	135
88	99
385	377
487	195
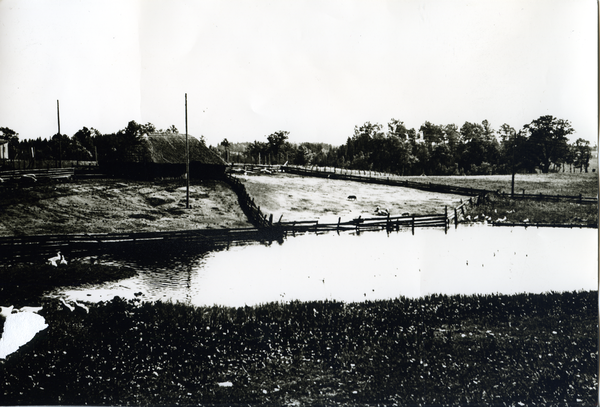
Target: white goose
53	261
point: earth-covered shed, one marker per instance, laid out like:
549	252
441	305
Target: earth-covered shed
162	155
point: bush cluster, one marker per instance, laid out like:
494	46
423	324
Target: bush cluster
436	350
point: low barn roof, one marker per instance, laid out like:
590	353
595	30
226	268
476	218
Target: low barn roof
170	149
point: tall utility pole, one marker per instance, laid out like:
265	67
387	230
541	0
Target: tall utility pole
59	138
187	160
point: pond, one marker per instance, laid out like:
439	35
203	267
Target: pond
348	267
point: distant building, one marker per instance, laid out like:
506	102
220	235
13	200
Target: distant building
162	155
3	149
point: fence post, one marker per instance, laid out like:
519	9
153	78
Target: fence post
271	220
446	220
338	225
455	218
413	224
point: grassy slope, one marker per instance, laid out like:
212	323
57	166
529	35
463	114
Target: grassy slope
441	350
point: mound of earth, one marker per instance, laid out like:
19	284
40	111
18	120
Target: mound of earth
104	206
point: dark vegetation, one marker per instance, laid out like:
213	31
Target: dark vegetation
25	284
442	350
473	149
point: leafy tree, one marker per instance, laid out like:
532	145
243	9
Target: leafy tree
582	152
399	145
8	134
479	148
276	141
547	139
83	141
12	137
257	150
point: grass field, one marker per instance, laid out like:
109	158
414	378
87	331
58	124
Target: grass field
309	198
561	183
441	350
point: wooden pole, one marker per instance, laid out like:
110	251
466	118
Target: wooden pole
446	221
187	160
59	140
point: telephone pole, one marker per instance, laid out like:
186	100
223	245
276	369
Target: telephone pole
187	160
59	138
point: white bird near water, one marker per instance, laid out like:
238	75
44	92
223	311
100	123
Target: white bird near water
76	304
56	260
381	212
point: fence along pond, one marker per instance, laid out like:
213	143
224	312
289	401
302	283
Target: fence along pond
28	248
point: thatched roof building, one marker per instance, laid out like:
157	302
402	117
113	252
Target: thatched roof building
161	155
168	148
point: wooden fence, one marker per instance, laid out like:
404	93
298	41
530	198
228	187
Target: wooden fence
380	178
40	174
552	198
386	180
20	248
252	211
364	224
547	225
261	220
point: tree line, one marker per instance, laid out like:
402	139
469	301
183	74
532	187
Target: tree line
87	144
473	149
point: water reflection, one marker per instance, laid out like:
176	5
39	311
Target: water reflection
375	265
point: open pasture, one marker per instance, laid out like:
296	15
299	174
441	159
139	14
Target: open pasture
561	183
294	197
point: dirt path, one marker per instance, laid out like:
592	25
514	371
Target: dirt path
307	198
102	206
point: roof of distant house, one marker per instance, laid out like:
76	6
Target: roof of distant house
169	148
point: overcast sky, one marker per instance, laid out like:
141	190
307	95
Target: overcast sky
313	68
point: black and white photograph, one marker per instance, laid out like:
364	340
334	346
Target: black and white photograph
299	202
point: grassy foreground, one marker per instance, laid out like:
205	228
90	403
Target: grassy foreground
437	350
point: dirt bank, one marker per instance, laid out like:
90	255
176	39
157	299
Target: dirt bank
102	206
307	198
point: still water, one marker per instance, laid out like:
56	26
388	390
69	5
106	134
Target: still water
373	265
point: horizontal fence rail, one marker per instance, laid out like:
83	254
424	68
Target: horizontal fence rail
552	198
379	178
39	174
426	186
44	245
546	225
